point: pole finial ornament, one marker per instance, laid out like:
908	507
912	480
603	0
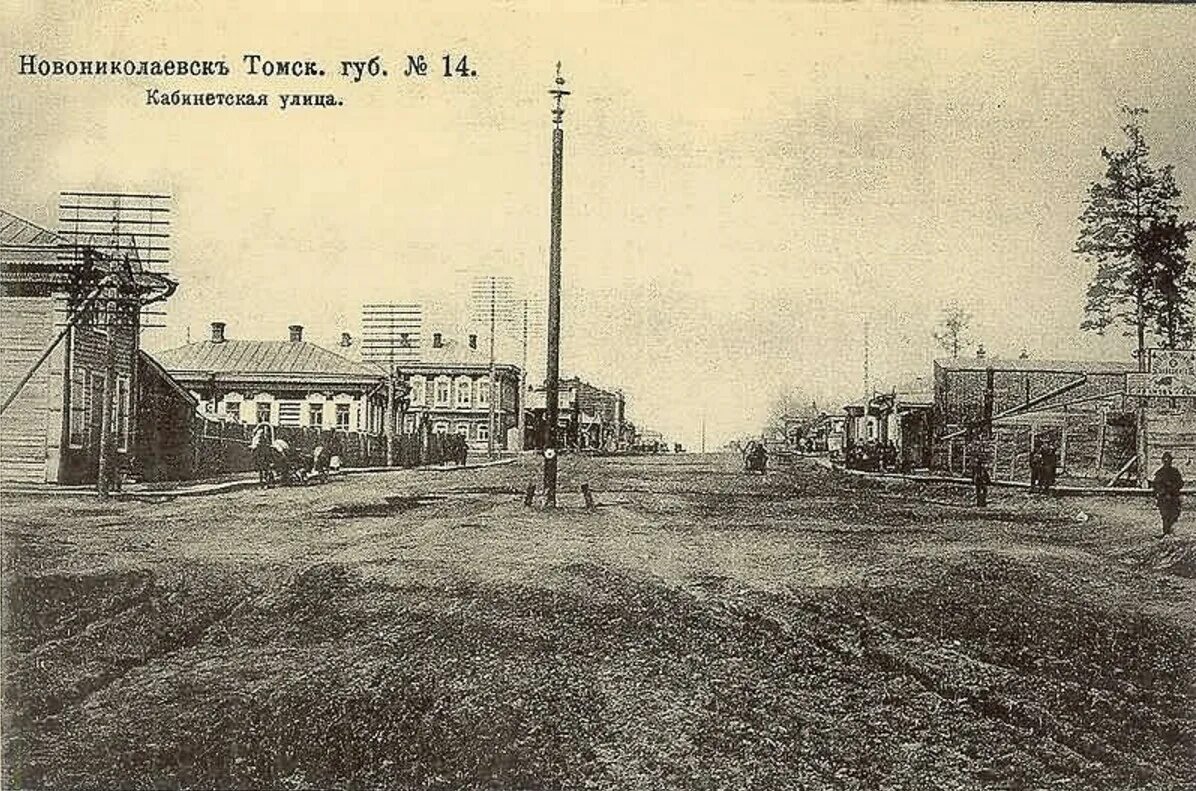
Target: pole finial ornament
559	93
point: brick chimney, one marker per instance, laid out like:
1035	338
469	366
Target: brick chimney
980	353
473	341
296	333
217	332
346	340
437	340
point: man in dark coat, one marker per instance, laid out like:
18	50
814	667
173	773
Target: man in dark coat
981	480
1036	466
1167	485
1050	460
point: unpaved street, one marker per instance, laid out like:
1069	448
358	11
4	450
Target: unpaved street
700	628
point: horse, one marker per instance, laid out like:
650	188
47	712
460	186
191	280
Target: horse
261	445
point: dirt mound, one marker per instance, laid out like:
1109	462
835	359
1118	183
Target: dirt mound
1170	556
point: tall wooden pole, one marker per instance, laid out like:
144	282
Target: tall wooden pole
552	386
107	462
522	385
490	399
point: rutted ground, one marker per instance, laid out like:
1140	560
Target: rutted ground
700	629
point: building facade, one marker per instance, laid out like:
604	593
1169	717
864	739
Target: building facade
70	349
454	397
602	415
1077	407
285	382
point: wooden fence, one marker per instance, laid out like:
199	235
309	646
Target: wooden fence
210	448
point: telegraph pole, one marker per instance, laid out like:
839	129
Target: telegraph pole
523	383
867	379
553	368
490	400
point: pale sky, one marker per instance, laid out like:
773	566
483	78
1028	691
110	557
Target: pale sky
744	183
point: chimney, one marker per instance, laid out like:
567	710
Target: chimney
473	341
346	340
296	333
980	353
437	340
217	332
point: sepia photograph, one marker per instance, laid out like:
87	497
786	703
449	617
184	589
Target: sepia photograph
597	395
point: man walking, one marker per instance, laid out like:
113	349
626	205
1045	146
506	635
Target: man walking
1167	485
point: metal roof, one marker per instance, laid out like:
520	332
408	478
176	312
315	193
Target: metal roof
22	242
15	232
249	358
1050	366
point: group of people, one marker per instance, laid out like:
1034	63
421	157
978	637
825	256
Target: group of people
1167	482
1043	462
875	456
313	456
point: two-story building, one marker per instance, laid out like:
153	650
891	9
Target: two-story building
451	391
288	382
601	414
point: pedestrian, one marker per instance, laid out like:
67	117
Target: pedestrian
1167	485
1050	460
981	480
1036	466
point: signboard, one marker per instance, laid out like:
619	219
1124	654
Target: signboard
1161	385
1172	361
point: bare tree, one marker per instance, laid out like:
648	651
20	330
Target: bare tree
789	403
952	333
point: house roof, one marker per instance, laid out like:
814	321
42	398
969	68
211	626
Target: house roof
1052	366
16	232
471	368
250	358
915	399
165	376
22	241
33	247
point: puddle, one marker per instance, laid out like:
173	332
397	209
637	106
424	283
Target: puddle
388	507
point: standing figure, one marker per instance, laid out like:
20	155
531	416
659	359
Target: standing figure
981	480
260	447
1050	460
1036	466
1167	485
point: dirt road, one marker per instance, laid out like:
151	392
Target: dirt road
699	629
